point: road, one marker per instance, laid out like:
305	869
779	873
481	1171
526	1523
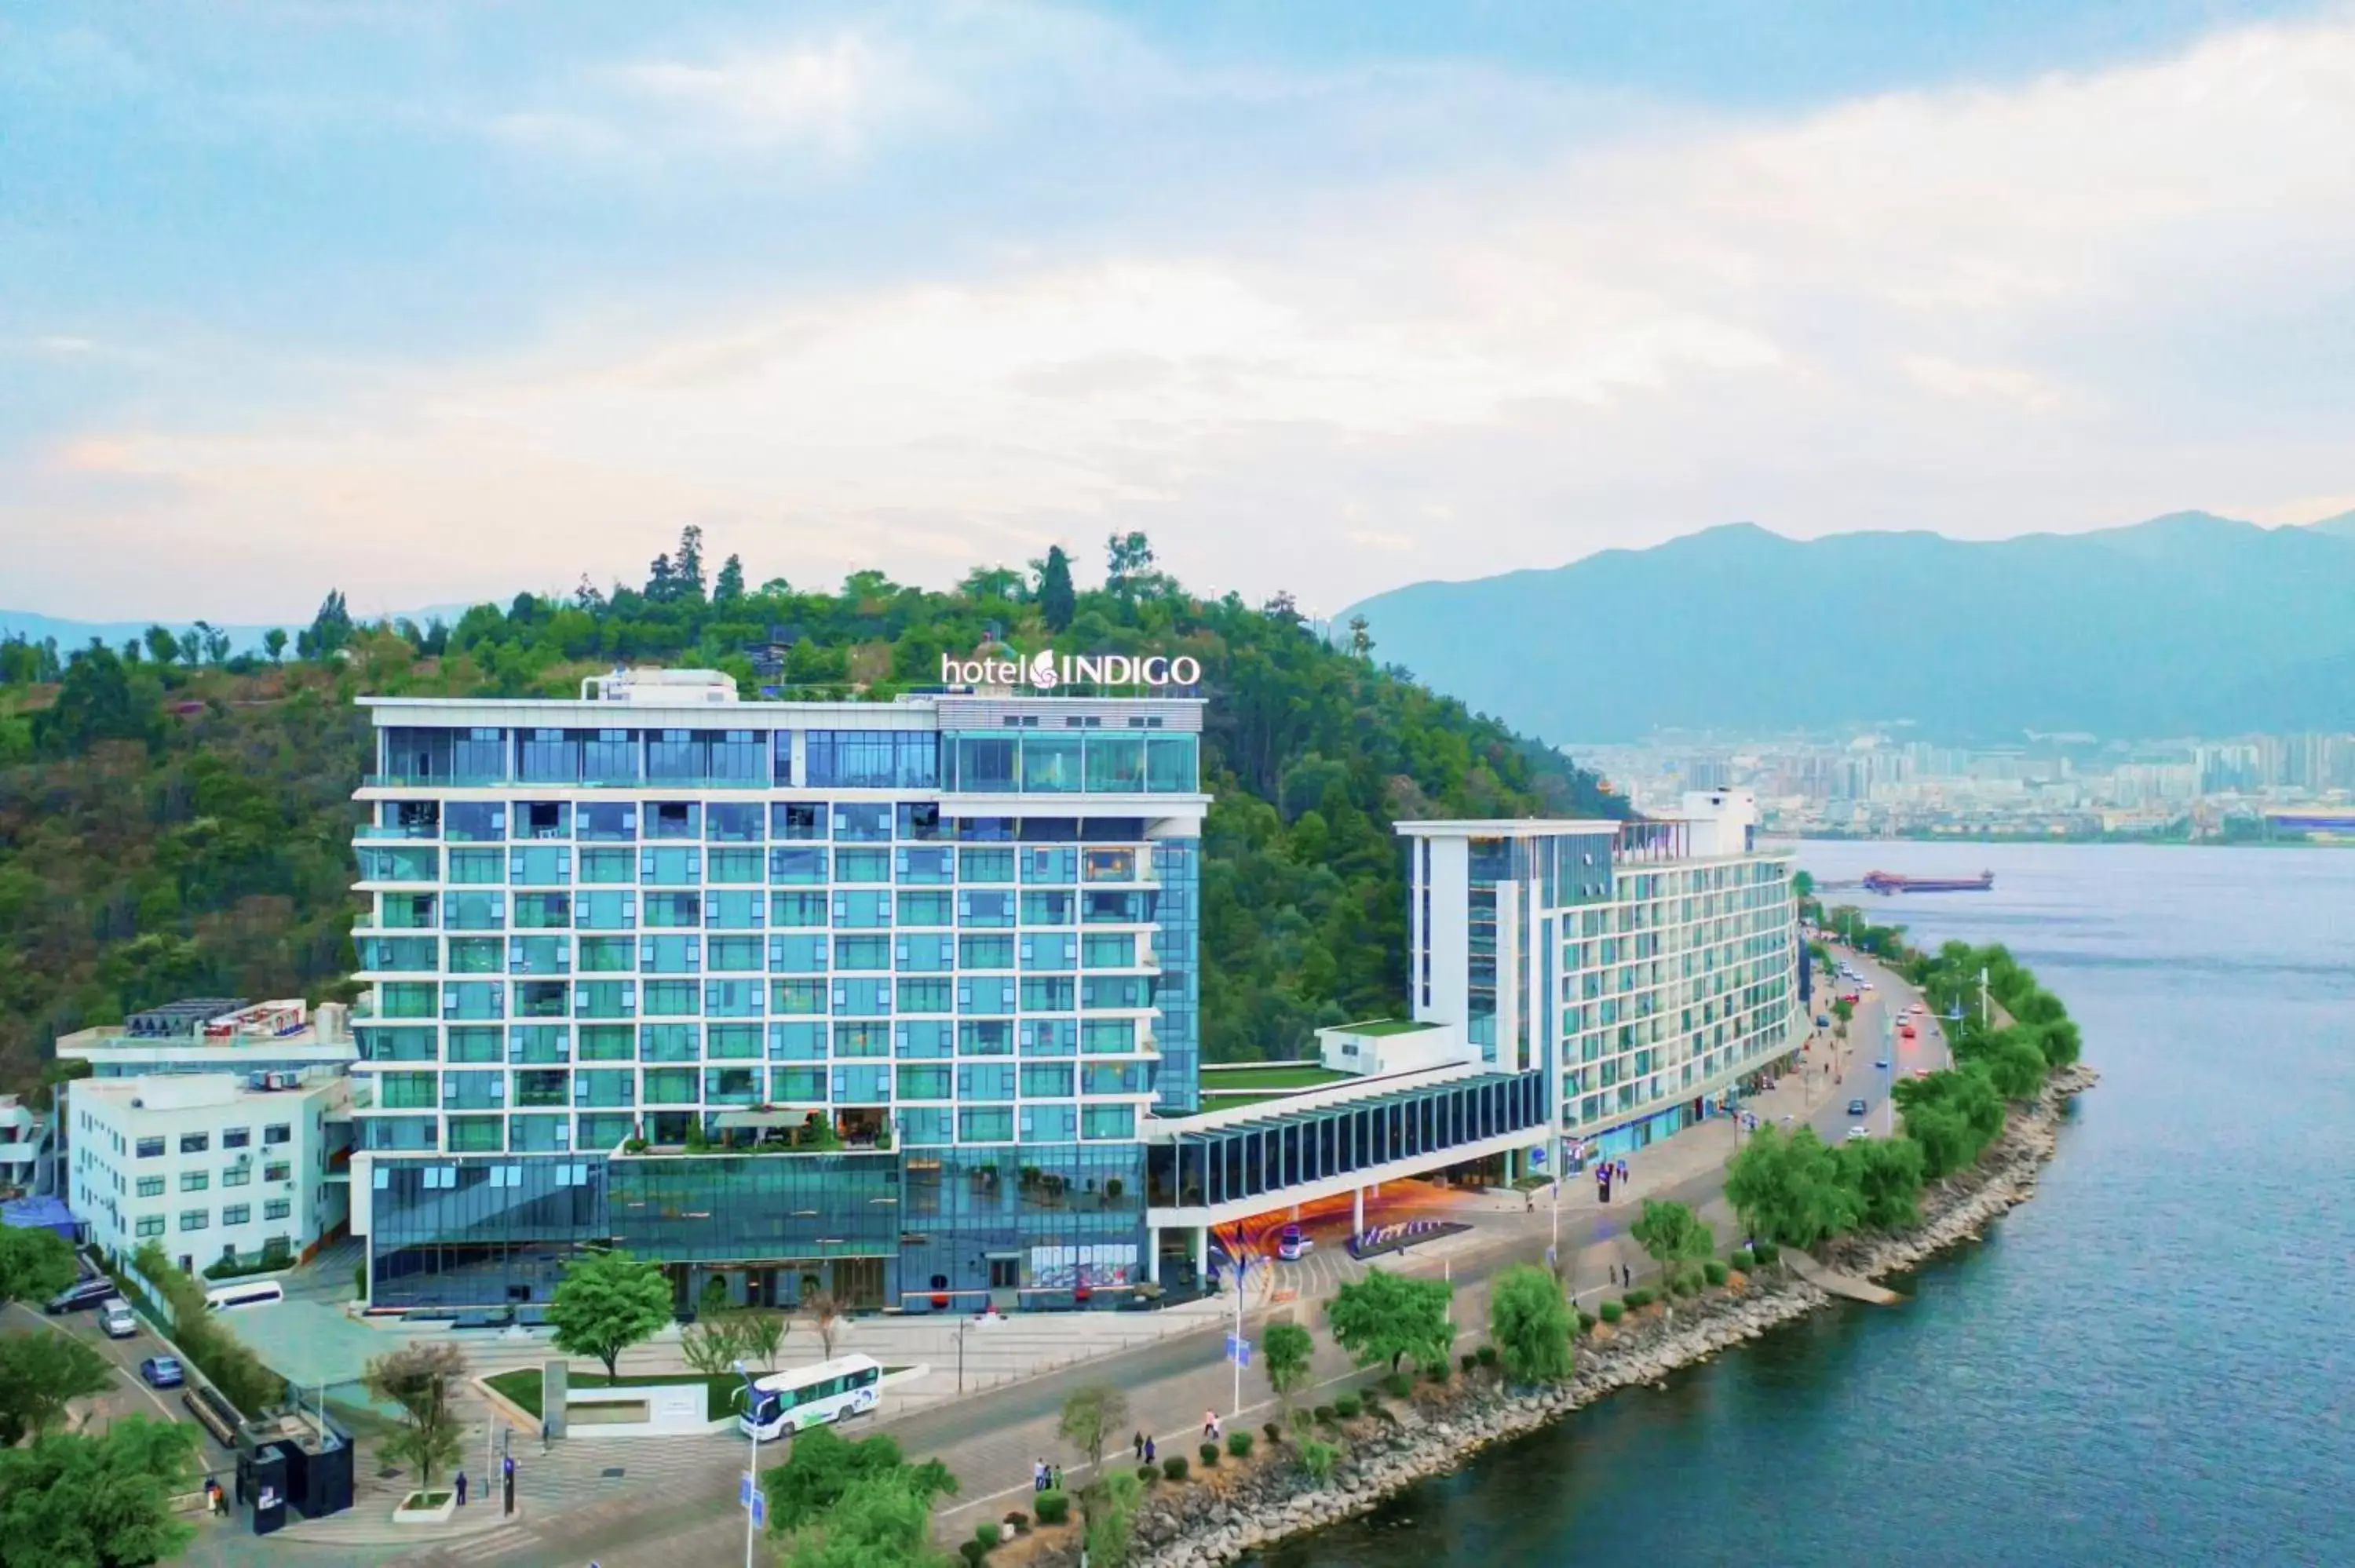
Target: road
130	1395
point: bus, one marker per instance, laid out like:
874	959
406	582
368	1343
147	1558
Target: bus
812	1396
258	1293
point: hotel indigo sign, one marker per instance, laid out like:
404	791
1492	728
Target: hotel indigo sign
1044	671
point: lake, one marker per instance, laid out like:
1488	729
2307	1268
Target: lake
2151	1362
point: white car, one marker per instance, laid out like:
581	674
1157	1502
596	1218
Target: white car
1857	1132
116	1318
1864	985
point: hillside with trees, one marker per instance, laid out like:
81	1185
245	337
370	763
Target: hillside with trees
176	820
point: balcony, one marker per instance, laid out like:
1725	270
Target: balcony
412	831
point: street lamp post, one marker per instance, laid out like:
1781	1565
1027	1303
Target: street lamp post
1235	1349
752	1411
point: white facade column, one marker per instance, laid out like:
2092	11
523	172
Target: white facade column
1358	1211
1202	1253
1152	1255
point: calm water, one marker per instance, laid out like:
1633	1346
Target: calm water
2153	1363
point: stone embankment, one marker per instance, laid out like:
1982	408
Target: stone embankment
1222	1515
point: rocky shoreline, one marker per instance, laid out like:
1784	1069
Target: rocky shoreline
1209	1522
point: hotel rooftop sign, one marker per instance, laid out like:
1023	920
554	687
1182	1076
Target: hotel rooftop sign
1045	670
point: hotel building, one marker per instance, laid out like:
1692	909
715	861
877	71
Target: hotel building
899	999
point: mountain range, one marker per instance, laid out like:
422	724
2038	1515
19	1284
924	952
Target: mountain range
2186	624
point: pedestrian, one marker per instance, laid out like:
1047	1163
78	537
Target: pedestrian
461	1488
1138	1444
1528	1203
1038	1474
1209	1426
1055	1479
1148	1449
547	1434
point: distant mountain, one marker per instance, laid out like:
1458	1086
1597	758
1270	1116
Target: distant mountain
2185	624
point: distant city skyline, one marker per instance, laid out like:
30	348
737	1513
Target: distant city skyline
453	300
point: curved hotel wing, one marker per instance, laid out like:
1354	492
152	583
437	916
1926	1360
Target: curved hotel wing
899	1001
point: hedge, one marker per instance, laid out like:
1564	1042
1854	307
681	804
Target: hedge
1713	1271
1611	1311
988	1534
1174	1466
1744	1259
1238	1444
1210	1451
1053	1508
1348	1406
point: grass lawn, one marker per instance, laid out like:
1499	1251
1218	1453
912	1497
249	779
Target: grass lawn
1269	1077
1377	1028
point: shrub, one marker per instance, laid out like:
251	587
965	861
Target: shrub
973	1551
1586	1321
988	1534
1744	1259
1713	1271
1766	1252
1274	1431
1054	1507
1398	1385
1611	1311
1436	1371
1017	1522
1238	1444
1348	1406
1147	1474
359	1280
1210	1451
1684	1285
1639	1299
1327	1415
1174	1466
1486	1355
1467	1361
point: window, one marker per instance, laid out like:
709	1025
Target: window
151	1224
872	760
237	1214
194	1218
276	1209
278	1171
195	1142
235	1136
151	1149
151	1186
801	819
195	1181
237	1175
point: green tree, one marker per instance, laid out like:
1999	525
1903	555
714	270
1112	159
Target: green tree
875	1522
1885	1174
728	587
329	630
40	1373
1531	1324
686	566
418	1378
2014	1065
1111	1527
73	1501
1361	638
273	642
99	699
1386	1317
606	1302
1285	1351
1788	1190
1127	557
35	1264
1673	1236
1091	1419
1057	601
822	1465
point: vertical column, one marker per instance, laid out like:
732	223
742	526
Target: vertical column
1203	1252
1152	1254
1357	1211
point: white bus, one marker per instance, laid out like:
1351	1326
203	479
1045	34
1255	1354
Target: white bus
257	1294
813	1395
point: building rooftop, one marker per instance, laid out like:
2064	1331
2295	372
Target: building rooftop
195	1091
1375	1028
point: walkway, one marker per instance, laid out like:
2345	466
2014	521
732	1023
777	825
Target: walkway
1833	1282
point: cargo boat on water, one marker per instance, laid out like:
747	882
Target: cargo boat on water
1896	882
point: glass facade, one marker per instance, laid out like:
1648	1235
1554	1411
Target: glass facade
590	935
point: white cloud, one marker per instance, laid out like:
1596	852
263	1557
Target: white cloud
2065	304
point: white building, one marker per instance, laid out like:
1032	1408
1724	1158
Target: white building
215	1127
24	1145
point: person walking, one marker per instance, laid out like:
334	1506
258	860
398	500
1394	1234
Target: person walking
1039	1475
1055	1478
1138	1444
1148	1449
1209	1426
507	1491
461	1487
547	1434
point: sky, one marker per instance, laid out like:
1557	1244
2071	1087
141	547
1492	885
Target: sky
435	302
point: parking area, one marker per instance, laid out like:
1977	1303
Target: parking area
130	1395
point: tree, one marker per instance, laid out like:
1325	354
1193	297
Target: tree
161	644
2015	1065
99	700
1673	1236
1885	1174
1127	557
822	1465
1788	1190
40	1373
1284	1351
417	1377
714	1345
606	1302
1530	1325
329	630
273	642
1361	638
1387	1317
1057	601
35	1264
1091	1417
826	1315
73	1501
728	587
763	1336
1110	1531
686	566
877	1521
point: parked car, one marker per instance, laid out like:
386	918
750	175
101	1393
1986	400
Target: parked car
1905	1032
1920	1072
1823	1021
1857	1132
1882	1065
81	1296
1293	1243
163	1372
117	1319
1856	1108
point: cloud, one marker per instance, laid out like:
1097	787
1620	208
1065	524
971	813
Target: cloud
2065	303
